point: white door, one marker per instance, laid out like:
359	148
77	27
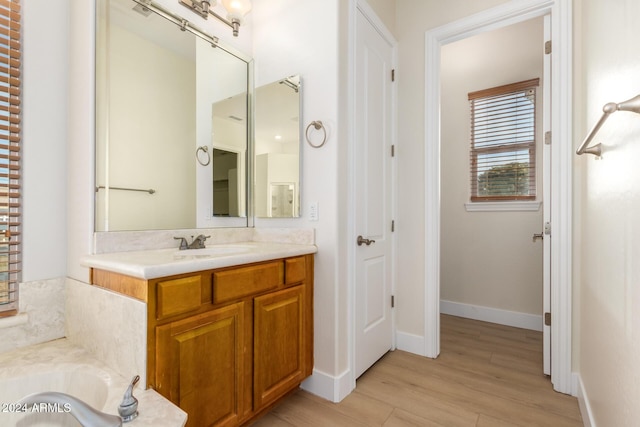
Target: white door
373	163
546	203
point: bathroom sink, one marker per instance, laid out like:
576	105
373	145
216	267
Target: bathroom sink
212	251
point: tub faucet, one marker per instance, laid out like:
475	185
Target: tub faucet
128	409
85	414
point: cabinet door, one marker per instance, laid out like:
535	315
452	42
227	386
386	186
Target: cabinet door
279	344
200	366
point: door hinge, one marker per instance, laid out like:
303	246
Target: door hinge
547	319
547	47
547	137
393	75
393	301
393	151
393	225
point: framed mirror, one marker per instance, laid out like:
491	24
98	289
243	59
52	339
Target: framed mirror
172	125
277	149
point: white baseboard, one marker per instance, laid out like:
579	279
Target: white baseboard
493	315
585	406
329	387
410	343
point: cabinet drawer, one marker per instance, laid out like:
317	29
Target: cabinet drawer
295	269
236	283
178	296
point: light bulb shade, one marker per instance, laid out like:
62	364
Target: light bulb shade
237	9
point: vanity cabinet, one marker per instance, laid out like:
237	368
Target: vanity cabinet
200	365
226	344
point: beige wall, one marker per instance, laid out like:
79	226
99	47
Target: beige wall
386	11
607	68
157	149
487	258
301	37
415	18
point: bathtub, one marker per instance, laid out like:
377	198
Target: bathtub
59	366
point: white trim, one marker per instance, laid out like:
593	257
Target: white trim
585	406
410	342
492	315
561	168
502	206
329	387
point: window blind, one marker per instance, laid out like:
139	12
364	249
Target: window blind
10	219
503	142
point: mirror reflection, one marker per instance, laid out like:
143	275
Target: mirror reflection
160	94
277	149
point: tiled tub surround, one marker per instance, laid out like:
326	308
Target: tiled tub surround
63	367
110	326
41	315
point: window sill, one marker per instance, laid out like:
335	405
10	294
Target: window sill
526	206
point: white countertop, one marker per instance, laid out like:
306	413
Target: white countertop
151	264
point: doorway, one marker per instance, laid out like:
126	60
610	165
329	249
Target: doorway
561	150
491	266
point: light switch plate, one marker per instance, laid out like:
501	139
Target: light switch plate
313	211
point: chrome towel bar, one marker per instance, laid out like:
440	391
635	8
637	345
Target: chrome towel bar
150	191
632	105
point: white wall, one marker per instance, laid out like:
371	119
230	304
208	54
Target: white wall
386	11
488	259
416	17
45	77
607	70
301	37
44	132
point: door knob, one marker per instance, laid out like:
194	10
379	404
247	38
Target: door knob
362	240
538	236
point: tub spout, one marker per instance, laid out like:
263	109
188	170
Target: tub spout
85	414
128	409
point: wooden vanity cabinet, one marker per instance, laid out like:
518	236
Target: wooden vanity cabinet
200	365
225	345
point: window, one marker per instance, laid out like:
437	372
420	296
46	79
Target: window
10	60
503	142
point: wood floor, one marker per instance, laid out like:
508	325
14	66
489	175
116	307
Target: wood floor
487	375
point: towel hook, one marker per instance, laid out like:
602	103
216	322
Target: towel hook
317	124
204	149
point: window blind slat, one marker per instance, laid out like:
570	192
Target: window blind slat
10	141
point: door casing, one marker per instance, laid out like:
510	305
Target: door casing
561	169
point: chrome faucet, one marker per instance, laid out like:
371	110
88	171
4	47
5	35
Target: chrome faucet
197	243
128	408
85	414
183	243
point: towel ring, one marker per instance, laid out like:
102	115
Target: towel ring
205	149
317	124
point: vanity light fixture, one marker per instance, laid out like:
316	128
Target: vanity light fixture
236	11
